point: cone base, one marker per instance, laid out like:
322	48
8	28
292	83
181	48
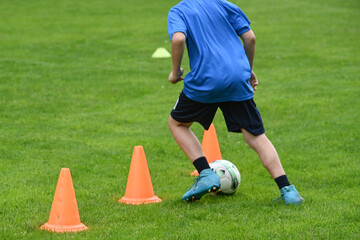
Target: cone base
64	228
138	201
195	173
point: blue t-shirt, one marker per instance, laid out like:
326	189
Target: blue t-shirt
220	70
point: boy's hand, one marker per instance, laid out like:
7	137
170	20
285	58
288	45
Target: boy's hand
175	78
253	80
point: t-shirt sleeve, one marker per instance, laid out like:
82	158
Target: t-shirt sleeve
237	18
176	23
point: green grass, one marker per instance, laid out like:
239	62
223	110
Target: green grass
78	89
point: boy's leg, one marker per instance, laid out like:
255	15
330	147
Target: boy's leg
271	161
266	151
186	139
208	180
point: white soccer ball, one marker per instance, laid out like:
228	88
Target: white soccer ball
229	175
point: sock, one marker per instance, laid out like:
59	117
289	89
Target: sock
282	181
201	163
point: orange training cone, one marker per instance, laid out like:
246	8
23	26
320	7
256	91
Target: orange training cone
64	214
210	146
139	188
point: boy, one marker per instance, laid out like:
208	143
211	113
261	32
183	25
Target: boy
221	76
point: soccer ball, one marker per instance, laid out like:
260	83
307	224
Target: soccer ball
229	175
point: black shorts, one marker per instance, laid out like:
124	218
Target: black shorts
237	115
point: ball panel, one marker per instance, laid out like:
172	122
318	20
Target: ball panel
229	175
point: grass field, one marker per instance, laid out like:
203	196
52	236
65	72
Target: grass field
79	89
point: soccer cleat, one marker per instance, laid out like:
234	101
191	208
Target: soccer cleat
208	181
290	195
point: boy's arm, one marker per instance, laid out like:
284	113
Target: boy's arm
249	40
177	52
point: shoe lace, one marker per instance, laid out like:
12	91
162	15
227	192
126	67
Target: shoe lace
279	198
195	182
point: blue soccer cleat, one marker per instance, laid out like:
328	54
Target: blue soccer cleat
208	181
290	195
